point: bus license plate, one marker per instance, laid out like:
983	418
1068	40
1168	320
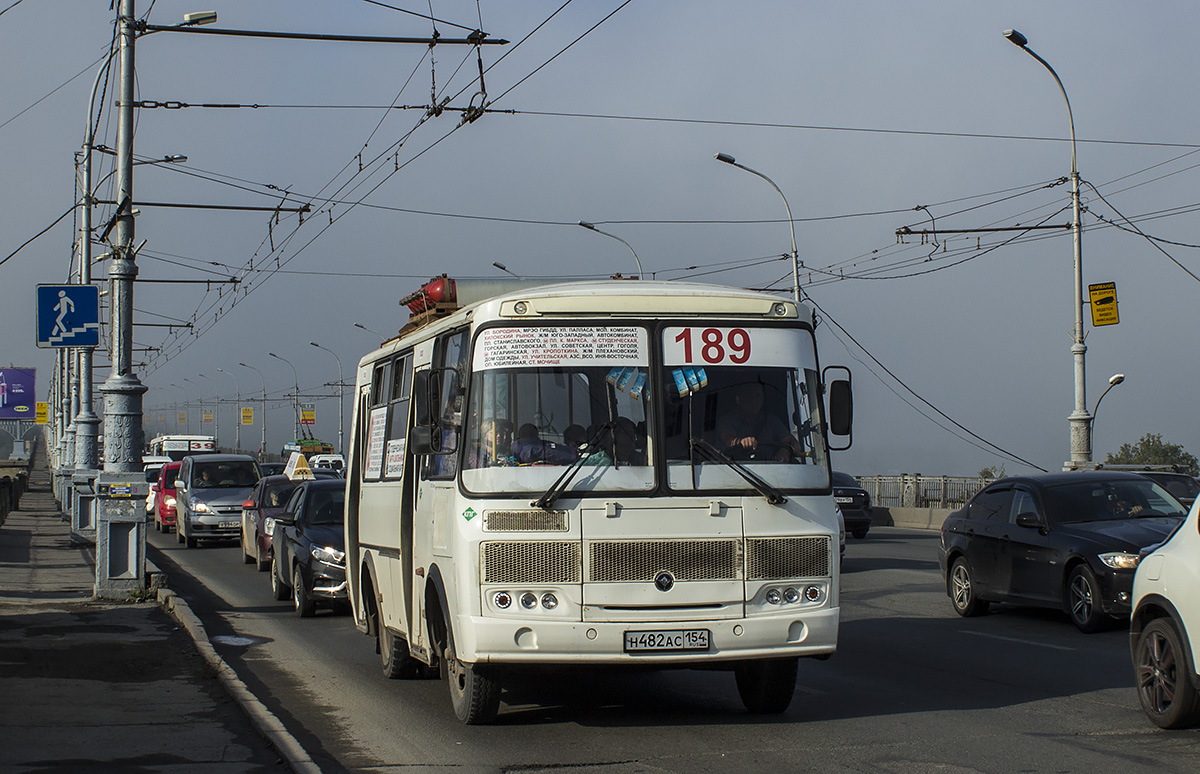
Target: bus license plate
678	639
228	524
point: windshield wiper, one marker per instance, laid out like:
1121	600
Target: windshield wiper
563	481
773	495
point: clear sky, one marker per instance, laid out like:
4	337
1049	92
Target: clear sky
609	112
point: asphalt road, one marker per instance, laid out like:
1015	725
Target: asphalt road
912	688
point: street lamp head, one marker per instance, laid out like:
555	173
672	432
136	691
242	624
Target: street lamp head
1116	379
1016	38
725	158
199	17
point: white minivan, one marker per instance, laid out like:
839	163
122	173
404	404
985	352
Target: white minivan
1164	633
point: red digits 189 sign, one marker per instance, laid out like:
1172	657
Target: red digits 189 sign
714	346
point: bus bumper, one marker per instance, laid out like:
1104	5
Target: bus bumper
525	641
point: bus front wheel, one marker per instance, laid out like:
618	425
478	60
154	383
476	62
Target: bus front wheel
474	693
766	687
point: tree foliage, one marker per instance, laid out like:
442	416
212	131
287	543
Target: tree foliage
993	472
1152	450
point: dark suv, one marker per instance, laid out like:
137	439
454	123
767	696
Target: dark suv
854	502
309	545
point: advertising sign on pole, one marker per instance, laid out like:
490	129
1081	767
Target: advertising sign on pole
247	415
17	395
308	413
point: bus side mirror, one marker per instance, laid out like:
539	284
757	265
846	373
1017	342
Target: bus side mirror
424	393
420	440
841	407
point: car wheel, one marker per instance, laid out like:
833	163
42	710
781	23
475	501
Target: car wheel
1167	696
279	589
766	687
474	692
1083	601
962	591
305	605
860	533
246	557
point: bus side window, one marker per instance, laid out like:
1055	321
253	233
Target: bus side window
450	352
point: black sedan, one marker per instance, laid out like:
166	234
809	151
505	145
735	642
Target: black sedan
1060	540
854	502
309	559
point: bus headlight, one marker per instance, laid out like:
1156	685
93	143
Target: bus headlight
813	593
502	600
549	601
773	596
529	600
791	596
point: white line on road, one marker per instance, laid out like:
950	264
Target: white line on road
1014	639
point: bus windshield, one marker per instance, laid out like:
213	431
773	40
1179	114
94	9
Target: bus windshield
741	404
543	398
579	409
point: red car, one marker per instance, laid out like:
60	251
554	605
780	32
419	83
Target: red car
164	497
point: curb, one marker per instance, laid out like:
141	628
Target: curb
288	747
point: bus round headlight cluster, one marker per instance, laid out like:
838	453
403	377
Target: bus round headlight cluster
792	595
528	600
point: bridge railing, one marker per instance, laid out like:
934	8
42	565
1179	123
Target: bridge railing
918	491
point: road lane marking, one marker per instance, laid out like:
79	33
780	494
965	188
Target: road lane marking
1015	639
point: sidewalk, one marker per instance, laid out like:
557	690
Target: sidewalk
102	686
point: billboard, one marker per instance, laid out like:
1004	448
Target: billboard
17	396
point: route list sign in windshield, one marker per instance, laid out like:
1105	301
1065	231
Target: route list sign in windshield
557	346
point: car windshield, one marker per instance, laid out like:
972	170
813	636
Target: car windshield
326	506
225	474
1109	500
1183	487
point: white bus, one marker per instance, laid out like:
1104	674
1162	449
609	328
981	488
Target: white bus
179	446
640	513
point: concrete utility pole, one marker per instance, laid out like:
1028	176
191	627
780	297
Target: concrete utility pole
237	424
296	394
1080	420
262	447
120	488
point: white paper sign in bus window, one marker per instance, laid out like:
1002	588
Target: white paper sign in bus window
395	459
711	345
559	346
375	442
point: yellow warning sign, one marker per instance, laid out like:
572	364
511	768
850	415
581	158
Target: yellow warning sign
42	412
247	415
1104	303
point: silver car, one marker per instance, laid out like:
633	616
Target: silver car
209	495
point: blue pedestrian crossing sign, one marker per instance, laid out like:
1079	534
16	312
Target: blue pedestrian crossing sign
68	316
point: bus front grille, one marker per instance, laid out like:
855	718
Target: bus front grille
525	521
787	557
542	562
686	560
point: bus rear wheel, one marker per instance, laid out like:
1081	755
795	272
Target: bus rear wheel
394	657
766	687
474	693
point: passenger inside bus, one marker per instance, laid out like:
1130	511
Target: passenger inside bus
529	448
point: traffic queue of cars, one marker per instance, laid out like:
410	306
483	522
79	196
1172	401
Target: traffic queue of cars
1109	549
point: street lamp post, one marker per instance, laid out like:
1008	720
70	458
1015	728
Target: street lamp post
592	227
237	415
296	395
1113	381
186	409
1081	427
725	158
263	444
200	403
216	409
341	396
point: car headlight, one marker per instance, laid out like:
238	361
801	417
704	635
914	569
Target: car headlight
1119	560
269	526
328	555
199	506
169	502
